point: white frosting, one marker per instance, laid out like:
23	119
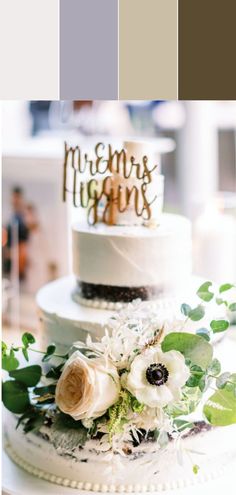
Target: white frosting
134	256
64	321
96	468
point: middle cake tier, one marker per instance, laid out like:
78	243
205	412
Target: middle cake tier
122	263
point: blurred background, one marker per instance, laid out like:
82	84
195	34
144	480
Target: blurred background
195	146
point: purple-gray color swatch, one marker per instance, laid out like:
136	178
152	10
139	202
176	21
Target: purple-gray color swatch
88	49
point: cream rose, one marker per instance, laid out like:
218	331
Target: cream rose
156	378
87	387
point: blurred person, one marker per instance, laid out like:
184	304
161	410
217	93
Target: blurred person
37	260
17	234
39	111
31	217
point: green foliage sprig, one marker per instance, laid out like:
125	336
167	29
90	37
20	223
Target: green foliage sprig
119	412
220	408
22	394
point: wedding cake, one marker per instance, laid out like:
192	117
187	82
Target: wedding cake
123	401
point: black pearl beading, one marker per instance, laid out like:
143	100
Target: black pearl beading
157	374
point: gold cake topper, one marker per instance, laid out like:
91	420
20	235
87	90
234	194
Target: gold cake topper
123	183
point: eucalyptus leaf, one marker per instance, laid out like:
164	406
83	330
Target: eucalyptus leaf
219	325
49	353
225	287
51	349
197	313
15	396
4	348
34	423
202	384
220	408
222	380
29	413
46	389
204	293
215	367
191	346
204	333
55	371
182	424
9	362
27	339
185	309
25	353
193	381
220	301
30	375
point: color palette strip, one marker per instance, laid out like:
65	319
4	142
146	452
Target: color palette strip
117	49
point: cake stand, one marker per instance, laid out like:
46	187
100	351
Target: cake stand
16	481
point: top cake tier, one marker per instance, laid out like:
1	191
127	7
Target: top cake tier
121	263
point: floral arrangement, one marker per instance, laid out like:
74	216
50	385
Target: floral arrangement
142	380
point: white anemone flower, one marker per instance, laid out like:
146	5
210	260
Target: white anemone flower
156	378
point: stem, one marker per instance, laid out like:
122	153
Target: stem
65	356
42	352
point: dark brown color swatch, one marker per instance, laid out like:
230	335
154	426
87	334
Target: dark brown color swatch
207	48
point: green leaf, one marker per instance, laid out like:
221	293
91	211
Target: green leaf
76	433
193	381
30	375
204	333
136	406
63	420
25	353
196	375
55	372
47	389
29	413
219	325
222	380
50	351
4	348
225	287
15	396
9	362
195	468
182	424
214	368
197	313
204	293
34	423
27	339
232	307
220	301
191	346
220	408
185	309
202	383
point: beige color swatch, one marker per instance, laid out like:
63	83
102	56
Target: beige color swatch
148	48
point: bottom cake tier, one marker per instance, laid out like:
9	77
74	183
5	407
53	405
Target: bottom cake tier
200	455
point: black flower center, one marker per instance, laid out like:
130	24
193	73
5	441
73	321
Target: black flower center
157	374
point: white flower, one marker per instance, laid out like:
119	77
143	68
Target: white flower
151	418
156	378
87	387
